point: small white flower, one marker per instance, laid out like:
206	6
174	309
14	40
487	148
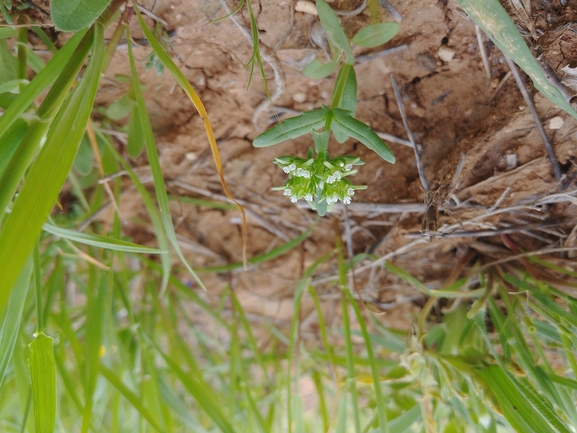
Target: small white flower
350	192
348	167
286	170
329	200
294	199
347	200
309	197
287	192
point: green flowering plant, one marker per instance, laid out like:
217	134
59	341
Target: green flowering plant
321	180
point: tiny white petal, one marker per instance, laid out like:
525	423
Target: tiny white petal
286	169
308	197
350	191
348	167
294	199
347	200
287	192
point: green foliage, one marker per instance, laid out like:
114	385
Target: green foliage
74	15
317	188
375	34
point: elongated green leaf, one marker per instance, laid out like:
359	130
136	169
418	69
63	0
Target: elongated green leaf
292	128
348	125
317	69
345	96
151	152
135	134
100	241
12	319
44	79
334	31
43	379
74	15
12	86
30	143
516	406
7	32
490	16
45	178
134	399
374	35
12	139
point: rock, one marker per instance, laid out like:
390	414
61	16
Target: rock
306	7
445	53
556	122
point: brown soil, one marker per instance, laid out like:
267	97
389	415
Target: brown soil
453	110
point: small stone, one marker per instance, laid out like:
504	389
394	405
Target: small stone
306	7
511	161
445	53
191	156
300	97
556	122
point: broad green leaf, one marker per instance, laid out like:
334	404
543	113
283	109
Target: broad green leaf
490	16
12	319
43	379
45	178
100	241
74	15
346	124
119	109
292	128
374	35
334	31
135	134
317	69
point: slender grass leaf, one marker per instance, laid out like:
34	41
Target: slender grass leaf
156	219
334	31
272	254
13	86
403	422
43	379
195	99
100	241
490	16
44	79
12	139
293	127
570	383
374	35
515	405
134	399
11	177
203	203
379	399
135	134
13	318
45	178
408	278
74	15
317	69
159	185
348	125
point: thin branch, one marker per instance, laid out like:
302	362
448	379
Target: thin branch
533	110
410	134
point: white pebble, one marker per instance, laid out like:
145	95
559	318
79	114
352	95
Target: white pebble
445	53
556	122
300	97
306	7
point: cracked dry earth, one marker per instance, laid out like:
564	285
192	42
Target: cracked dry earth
480	151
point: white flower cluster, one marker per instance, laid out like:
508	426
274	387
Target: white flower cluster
310	177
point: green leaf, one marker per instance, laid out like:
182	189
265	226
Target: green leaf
119	109
83	160
43	379
346	124
7	32
345	96
334	31
317	69
100	241
135	134
74	15
45	178
292	128
374	35
492	18
13	318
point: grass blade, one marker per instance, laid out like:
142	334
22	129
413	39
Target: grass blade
43	379
100	241
45	179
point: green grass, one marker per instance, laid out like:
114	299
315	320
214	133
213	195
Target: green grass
99	334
